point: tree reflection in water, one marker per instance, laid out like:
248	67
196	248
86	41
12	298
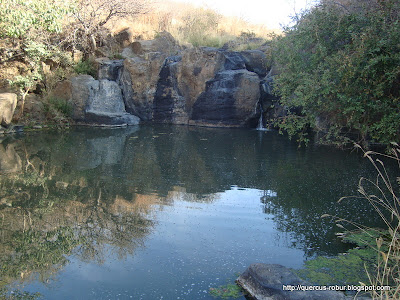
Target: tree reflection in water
88	190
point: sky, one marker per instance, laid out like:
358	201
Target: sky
272	13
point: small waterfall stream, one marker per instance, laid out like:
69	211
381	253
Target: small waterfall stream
260	125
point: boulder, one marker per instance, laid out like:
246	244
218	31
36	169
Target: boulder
98	102
267	281
83	88
34	110
255	61
107	106
8	103
124	37
233	60
230	100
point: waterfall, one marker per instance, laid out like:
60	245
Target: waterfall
260	125
260	122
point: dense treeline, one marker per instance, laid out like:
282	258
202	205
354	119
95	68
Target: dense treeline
340	72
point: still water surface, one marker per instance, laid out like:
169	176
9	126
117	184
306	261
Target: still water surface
165	212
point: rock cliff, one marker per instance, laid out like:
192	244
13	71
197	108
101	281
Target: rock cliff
159	81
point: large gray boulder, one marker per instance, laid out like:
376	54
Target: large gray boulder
99	102
274	282
107	107
8	103
82	88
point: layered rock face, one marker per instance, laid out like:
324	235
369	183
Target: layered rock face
157	81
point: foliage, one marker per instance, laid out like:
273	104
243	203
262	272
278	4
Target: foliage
19	18
86	67
230	290
60	105
340	67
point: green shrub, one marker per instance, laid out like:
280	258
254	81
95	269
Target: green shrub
86	67
341	65
56	105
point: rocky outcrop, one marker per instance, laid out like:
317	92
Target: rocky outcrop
109	69
8	103
160	82
271	281
139	83
230	99
209	87
255	61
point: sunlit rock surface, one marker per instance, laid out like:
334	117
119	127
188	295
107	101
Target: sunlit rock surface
8	103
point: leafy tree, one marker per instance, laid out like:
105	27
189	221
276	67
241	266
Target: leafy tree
340	72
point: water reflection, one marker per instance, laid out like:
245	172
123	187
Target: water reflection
90	191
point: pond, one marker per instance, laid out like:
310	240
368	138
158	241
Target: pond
165	212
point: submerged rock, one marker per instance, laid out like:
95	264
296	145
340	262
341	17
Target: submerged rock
273	282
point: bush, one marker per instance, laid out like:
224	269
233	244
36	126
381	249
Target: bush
86	67
339	69
61	105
